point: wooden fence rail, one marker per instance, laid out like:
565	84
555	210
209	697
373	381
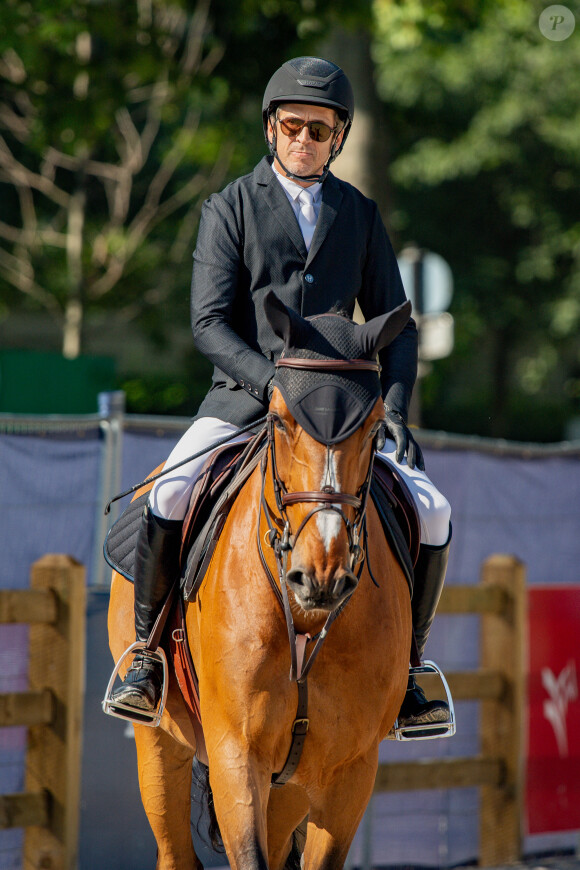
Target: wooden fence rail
499	685
51	709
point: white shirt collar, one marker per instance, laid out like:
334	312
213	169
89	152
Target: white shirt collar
294	190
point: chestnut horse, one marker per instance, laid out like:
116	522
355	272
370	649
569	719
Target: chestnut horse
307	506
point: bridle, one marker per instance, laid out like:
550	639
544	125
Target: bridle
280	536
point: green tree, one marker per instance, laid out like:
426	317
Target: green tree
484	122
117	119
100	114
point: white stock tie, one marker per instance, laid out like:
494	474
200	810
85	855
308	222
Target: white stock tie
306	216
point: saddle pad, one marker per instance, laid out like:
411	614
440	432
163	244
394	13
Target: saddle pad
119	547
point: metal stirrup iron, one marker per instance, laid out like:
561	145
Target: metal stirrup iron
125	711
154	650
431	730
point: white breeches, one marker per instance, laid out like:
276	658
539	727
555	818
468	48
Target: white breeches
433	508
170	495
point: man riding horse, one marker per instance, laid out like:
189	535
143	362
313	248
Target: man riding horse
292	227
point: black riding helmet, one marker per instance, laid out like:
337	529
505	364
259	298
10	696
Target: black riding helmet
314	81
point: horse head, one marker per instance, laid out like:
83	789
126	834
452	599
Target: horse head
325	417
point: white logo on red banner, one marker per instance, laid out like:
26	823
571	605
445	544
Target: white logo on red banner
562	690
553	739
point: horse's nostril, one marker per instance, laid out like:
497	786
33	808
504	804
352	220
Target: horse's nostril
299	580
344	584
339	585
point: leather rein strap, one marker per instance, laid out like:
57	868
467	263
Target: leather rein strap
283	542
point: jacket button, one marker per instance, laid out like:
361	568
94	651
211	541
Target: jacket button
309	278
242	384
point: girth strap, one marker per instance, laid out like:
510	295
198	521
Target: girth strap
299	731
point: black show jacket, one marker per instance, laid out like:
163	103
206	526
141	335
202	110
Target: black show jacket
249	242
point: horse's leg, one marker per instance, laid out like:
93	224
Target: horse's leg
241	788
287	807
336	811
246	807
165	782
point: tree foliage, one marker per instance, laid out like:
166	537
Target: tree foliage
484	113
100	114
116	120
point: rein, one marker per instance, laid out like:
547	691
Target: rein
282	541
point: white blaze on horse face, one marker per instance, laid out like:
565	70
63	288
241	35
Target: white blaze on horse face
328	521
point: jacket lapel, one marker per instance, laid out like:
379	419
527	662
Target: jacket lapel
277	202
331	199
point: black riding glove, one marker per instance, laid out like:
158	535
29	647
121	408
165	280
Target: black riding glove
404	441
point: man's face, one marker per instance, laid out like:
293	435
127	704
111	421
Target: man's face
301	154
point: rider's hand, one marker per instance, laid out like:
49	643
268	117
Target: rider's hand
404	441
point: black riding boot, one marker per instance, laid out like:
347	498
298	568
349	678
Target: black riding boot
429	578
156	570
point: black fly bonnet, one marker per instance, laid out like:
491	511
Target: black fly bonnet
329	400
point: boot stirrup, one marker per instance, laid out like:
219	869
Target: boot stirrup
133	714
433	730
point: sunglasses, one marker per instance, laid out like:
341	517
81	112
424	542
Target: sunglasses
318	130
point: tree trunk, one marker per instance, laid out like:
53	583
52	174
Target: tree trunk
73	314
72	328
364	159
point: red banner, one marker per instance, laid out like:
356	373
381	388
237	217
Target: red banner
553	765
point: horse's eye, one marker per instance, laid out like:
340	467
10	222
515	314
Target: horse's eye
278	423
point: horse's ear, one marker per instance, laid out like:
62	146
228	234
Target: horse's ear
381	331
287	325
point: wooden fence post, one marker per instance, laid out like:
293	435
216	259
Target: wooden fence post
503	651
57	663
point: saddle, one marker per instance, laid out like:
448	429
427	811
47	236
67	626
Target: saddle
224	474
